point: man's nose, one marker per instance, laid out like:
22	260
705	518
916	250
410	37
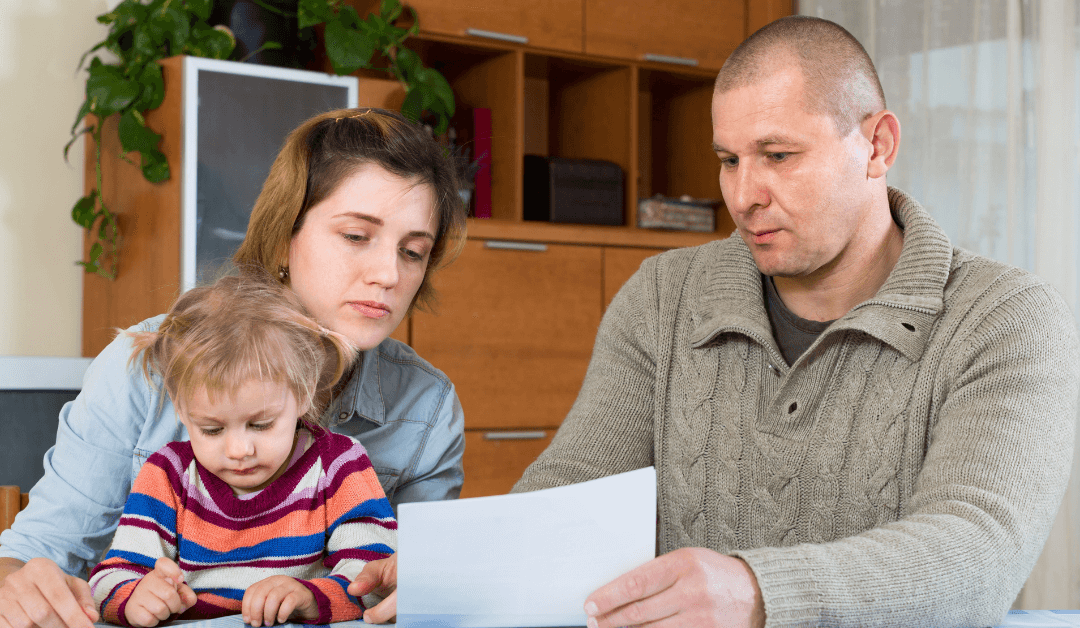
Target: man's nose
744	189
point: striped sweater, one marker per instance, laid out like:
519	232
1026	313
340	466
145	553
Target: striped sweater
320	522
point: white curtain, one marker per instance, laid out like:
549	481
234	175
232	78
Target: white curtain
987	93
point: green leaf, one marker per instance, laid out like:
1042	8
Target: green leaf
390	10
174	26
155	167
83	111
408	62
153	87
348	49
413	105
108	91
213	43
83	213
312	12
440	88
95	253
134	136
201	8
75	136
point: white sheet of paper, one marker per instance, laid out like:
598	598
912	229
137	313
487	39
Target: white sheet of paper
528	559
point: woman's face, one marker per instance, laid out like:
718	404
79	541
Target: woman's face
361	254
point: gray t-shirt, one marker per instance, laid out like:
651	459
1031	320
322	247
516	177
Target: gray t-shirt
793	334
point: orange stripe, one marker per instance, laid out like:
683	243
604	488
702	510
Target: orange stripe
154	482
357	488
219	539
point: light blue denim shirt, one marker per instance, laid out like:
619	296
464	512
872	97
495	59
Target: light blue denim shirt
403	410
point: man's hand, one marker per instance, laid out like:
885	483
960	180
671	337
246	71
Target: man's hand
275	599
378	577
39	594
688	587
158	595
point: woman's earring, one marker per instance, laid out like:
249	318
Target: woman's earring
282	273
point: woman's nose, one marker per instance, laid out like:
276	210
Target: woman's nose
382	267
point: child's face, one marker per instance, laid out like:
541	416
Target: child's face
244	438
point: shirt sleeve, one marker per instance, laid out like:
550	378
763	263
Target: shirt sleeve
998	457
89	469
360	527
147	532
439	472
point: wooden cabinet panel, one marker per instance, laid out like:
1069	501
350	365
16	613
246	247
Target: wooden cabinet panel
514	331
495	461
761	12
553	24
619	265
704	30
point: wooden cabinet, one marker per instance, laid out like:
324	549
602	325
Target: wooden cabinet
554	24
697	32
495	460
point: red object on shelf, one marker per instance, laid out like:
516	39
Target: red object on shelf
482	150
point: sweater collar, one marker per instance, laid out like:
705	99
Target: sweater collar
901	314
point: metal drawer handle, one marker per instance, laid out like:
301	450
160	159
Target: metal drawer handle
534	435
476	32
515	246
670	59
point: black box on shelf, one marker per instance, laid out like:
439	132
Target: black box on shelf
581	191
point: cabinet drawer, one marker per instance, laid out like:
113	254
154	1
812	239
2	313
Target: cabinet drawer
619	265
544	23
494	461
514	331
703	30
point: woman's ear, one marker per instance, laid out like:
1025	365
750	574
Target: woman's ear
883	131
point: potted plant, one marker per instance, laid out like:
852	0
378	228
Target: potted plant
142	32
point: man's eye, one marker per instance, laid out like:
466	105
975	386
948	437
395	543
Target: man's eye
729	162
779	156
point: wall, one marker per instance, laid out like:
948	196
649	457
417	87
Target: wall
40	45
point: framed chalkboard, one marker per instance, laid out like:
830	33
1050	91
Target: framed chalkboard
236	118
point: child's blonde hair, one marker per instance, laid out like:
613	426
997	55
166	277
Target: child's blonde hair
244	327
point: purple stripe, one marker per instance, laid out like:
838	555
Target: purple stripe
325	612
205	610
355	554
152	526
302	503
388	524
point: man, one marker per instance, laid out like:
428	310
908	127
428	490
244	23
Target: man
852	422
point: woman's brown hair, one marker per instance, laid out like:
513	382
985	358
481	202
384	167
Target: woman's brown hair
322	152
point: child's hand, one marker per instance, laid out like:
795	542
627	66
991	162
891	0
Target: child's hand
276	599
158	595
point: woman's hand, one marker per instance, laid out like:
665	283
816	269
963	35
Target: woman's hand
39	594
378	577
158	595
276	599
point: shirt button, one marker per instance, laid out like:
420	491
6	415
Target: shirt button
343	416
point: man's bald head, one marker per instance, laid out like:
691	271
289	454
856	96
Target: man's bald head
840	79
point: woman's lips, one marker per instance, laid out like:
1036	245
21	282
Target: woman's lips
371	309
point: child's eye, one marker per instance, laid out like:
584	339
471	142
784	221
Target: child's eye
259	427
210	431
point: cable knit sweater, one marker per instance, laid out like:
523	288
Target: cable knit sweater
320	522
904	471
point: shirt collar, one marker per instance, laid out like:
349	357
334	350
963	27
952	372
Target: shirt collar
361	394
902	312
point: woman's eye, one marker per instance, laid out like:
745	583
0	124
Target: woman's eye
412	255
355	237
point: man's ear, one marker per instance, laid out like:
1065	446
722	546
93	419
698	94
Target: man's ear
883	131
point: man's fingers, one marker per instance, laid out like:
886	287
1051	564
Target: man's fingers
643	612
382	612
647	580
58	606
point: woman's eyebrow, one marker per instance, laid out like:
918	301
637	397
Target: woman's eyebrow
375	220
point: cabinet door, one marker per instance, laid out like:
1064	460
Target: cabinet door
619	265
545	23
703	30
495	460
514	331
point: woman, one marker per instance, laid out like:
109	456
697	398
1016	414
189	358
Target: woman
359	208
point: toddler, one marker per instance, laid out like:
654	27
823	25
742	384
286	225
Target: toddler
263	512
